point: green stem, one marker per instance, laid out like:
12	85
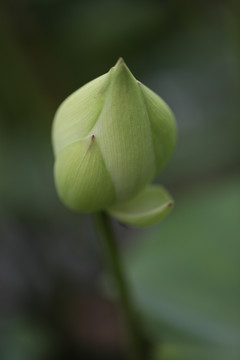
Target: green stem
112	254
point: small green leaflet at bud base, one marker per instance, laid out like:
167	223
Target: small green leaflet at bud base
111	138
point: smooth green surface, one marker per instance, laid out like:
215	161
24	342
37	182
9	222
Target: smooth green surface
77	114
163	127
185	272
75	173
148	207
135	132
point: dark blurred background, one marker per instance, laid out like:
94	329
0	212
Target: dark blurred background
54	298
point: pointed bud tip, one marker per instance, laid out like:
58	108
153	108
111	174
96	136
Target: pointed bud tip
120	64
122	68
120	61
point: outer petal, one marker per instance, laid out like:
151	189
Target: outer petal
125	136
82	180
163	126
78	114
147	208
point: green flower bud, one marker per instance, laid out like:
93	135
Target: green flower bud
110	138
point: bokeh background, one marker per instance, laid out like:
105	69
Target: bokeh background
55	301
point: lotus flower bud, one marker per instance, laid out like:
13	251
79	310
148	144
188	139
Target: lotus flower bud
110	138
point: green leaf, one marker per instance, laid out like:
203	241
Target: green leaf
147	208
178	351
185	273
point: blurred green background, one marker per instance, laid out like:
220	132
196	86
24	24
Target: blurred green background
184	271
